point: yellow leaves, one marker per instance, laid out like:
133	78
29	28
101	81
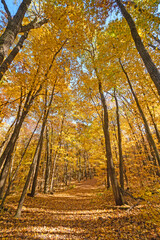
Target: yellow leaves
26	21
67	69
141	33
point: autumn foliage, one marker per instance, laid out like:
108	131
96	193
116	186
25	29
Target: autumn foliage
79	101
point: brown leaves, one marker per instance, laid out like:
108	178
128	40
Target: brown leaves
79	213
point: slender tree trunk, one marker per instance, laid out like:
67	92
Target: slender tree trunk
116	189
32	167
20	205
48	161
53	172
138	144
90	171
85	165
79	167
19	209
115	150
150	66
144	144
7	170
151	157
8	135
8	152
65	173
46	113
119	143
155	93
57	154
148	133
32	194
16	170
154	124
19	121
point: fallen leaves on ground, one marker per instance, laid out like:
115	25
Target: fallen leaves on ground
84	212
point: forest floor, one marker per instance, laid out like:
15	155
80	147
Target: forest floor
83	211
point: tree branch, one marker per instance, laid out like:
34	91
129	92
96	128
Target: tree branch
154	47
5	65
33	25
6	9
21	11
156	39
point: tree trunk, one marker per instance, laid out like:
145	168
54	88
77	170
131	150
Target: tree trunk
12	29
16	170
138	144
79	167
20	205
32	167
154	124
65	173
116	189
19	122
119	143
57	154
48	161
32	194
85	164
148	133
7	153
46	113
53	172
150	66
7	62
7	137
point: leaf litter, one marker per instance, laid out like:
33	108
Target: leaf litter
84	212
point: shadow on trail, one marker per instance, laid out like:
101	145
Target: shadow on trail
75	214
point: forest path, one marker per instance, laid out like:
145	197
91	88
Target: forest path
81	212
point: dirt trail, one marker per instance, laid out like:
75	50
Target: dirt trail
77	213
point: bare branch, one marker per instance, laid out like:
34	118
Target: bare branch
156	39
6	9
154	47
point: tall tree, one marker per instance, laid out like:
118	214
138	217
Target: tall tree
119	143
6	156
148	132
149	64
13	28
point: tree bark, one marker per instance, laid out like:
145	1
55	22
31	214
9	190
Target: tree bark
115	187
48	161
8	135
6	63
148	133
16	170
7	154
65	177
12	29
154	124
119	144
40	143
150	66
57	154
6	157
20	204
46	113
